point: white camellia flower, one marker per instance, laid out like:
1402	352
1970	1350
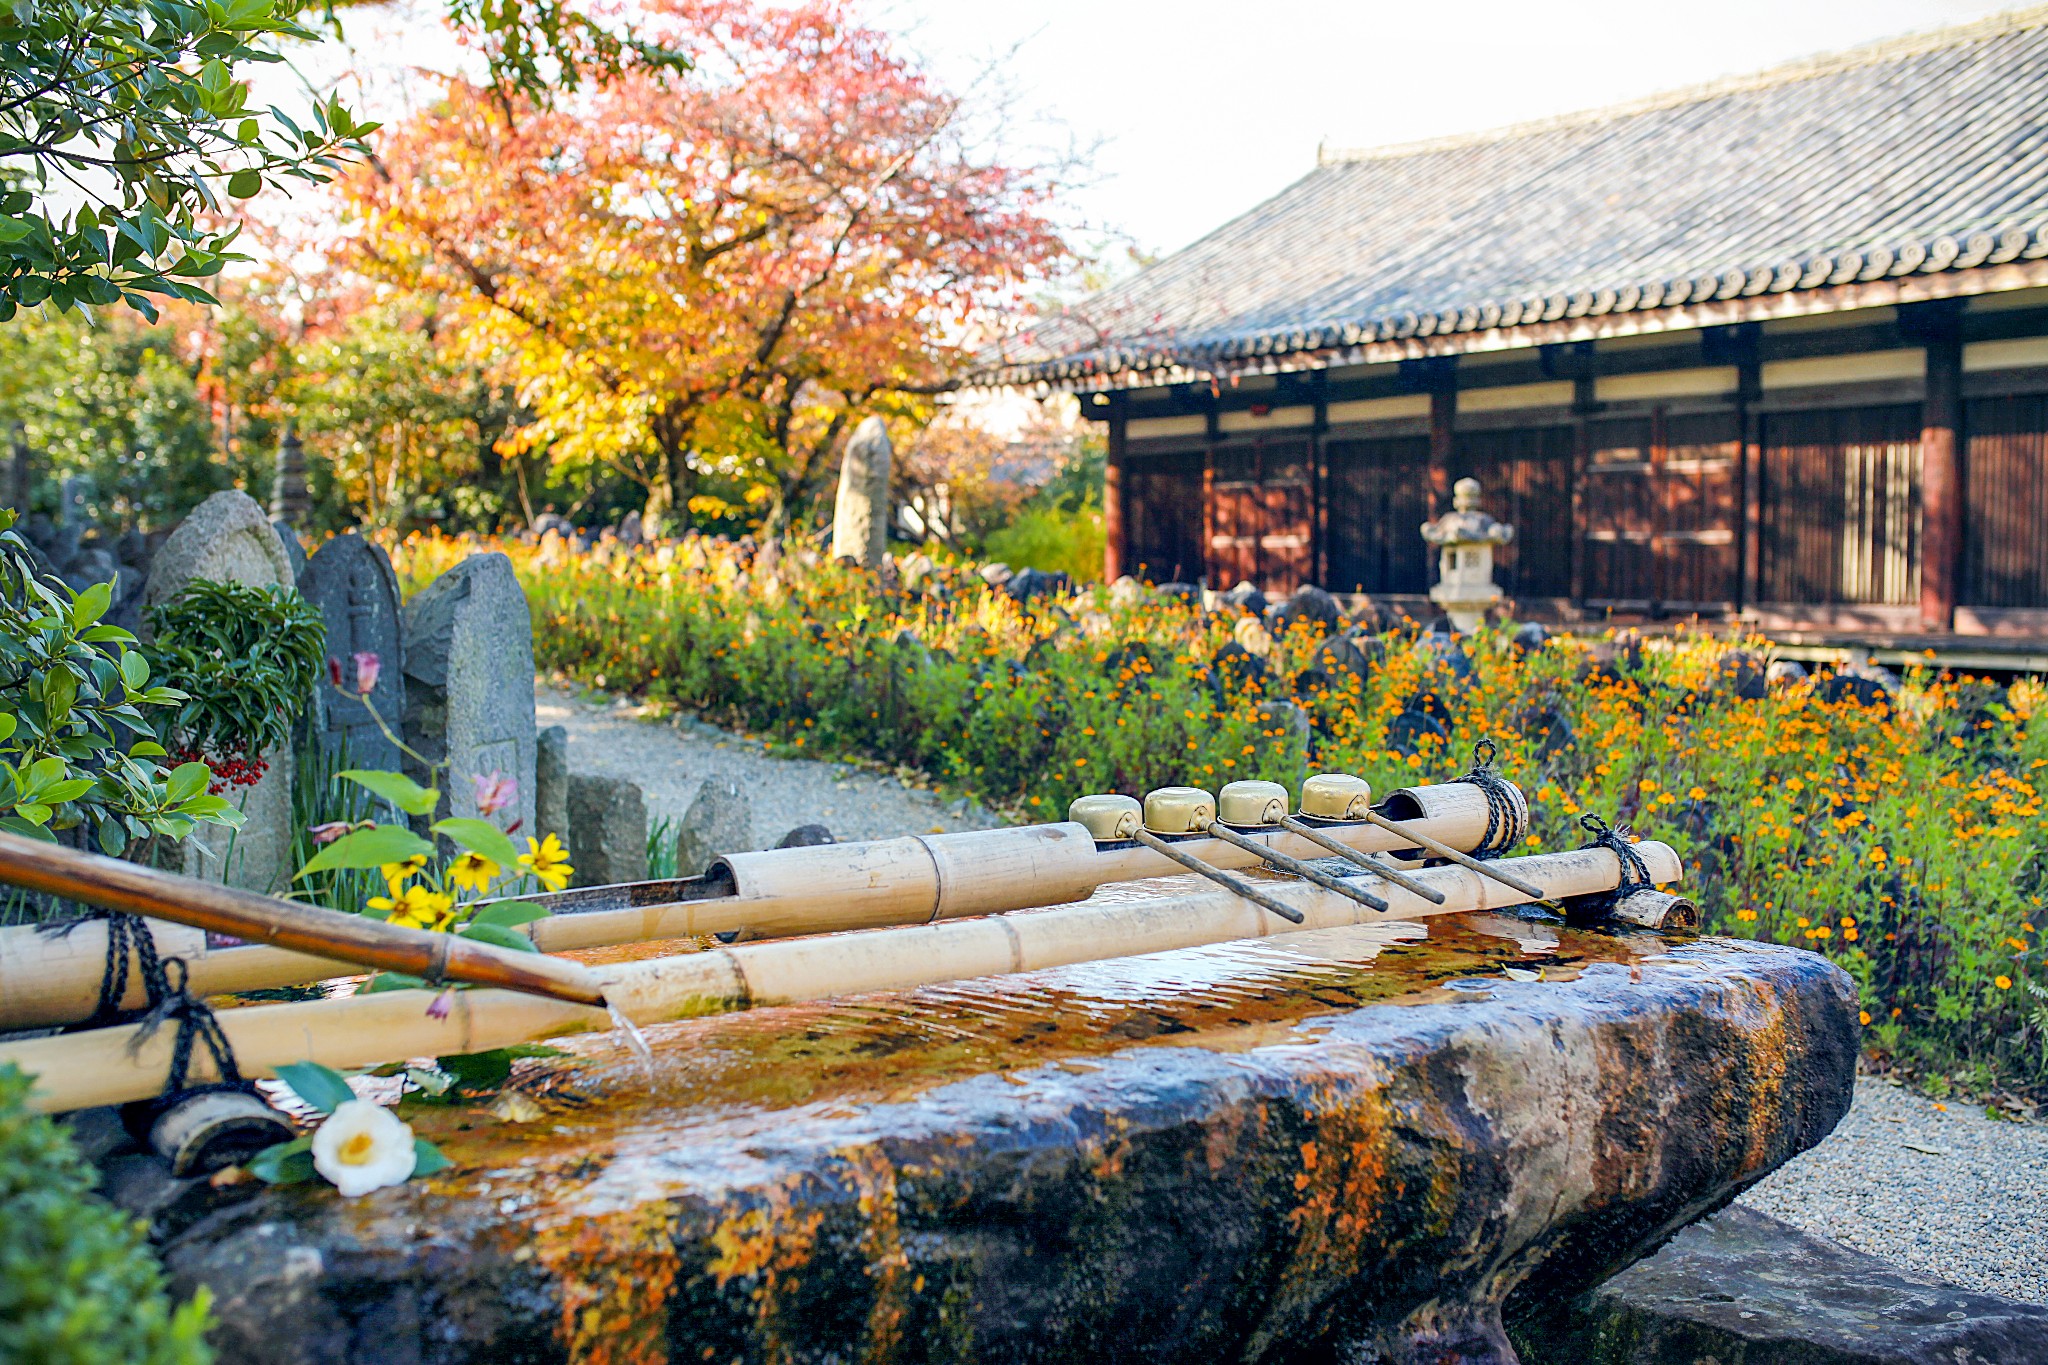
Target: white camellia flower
363	1147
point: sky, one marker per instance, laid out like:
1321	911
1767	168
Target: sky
1189	112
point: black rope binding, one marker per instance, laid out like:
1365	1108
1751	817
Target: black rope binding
1635	873
1503	825
126	934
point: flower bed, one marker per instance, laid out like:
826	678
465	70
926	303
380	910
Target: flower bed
1897	835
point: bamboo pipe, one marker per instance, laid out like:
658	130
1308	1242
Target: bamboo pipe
50	979
130	888
112	1066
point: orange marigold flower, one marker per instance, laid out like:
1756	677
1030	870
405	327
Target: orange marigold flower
2003	983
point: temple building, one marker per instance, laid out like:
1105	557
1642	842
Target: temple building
1773	350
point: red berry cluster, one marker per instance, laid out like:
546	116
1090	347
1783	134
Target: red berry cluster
229	770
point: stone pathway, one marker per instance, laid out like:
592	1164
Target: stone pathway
671	759
1973	1210
1936	1188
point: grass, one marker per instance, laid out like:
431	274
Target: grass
1901	841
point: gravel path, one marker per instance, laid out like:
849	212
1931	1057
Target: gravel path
1973	1210
671	759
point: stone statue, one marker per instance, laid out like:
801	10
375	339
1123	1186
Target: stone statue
1465	537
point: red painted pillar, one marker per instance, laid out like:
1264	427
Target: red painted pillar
1941	485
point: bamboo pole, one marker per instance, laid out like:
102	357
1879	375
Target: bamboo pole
114	1065
48	979
130	888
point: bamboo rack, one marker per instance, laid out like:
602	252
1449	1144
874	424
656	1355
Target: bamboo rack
52	979
112	1065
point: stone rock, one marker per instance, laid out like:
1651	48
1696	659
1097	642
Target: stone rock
469	684
294	549
1444	655
607	830
996	574
551	782
1529	637
1309	603
1785	672
1244	597
1126	591
351	581
1252	637
860	514
1342	654
289	501
1179	592
630	529
227	539
1408	733
1740	675
917	570
720	820
1743	1288
1093	1162
1236	669
806	836
1028	584
1862	689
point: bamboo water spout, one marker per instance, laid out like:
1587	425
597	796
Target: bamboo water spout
55	979
112	1065
305	932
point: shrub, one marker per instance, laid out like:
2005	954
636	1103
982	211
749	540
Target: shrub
1051	539
246	659
78	1285
77	749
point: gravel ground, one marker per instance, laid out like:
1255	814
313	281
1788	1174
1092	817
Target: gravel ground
1973	1210
670	760
1941	1190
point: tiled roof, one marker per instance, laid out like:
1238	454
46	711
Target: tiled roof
1920	154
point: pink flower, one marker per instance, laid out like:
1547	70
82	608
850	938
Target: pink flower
329	832
442	1003
495	791
368	666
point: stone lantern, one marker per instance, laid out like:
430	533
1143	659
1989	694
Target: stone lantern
1465	537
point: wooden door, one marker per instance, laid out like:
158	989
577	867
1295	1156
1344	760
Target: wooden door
1378	495
1839	506
1525	479
2005	554
1163	516
1660	499
1261	515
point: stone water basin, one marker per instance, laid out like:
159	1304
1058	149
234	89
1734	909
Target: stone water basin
1359	1144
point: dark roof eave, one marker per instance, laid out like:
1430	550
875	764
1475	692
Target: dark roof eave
1938	267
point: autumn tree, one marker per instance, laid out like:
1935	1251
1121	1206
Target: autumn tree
711	277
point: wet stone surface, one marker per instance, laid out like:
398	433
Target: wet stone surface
1353	1144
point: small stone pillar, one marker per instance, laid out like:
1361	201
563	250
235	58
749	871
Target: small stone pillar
289	501
860	514
1465	537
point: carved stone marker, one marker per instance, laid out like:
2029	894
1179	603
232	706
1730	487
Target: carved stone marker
551	783
1465	538
607	830
720	820
350	580
469	684
289	501
227	539
860	514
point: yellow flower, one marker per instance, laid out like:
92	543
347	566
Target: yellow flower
2003	983
473	872
416	907
396	873
548	861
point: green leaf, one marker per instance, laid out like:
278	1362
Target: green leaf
400	790
7	724
479	836
147	748
509	914
90	605
427	1158
478	1070
371	847
134	668
320	1086
390	981
498	936
286	1163
187	780
244	184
